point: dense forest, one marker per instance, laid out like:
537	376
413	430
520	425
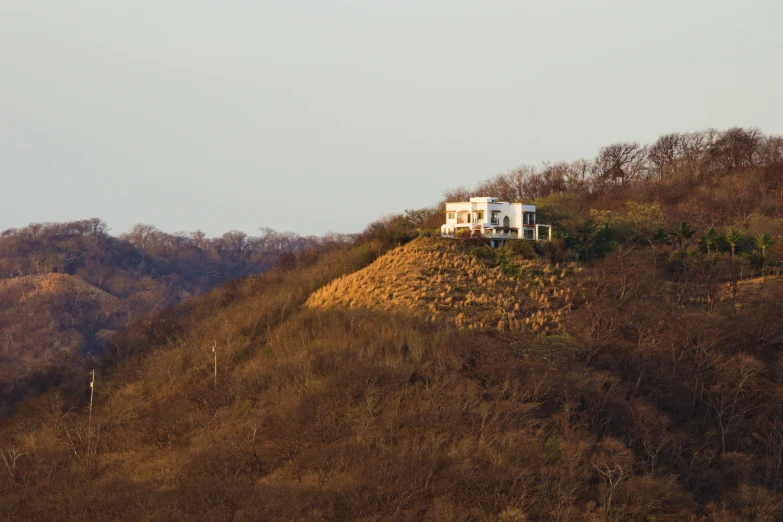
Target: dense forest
630	369
67	288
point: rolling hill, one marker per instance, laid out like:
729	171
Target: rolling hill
631	369
67	288
434	278
331	403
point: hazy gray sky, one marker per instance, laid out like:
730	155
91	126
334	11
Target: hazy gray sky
318	115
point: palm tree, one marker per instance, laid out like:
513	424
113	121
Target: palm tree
710	238
763	242
681	234
733	237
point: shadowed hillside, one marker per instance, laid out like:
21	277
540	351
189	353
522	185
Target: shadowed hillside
67	288
53	316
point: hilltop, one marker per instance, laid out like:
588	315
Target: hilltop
476	288
54	285
53	316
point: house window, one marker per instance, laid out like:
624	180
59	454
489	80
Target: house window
450	215
479	216
506	222
529	234
494	218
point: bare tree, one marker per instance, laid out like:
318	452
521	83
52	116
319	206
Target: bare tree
734	149
664	153
735	396
141	235
10	457
578	176
234	242
614	464
620	163
457	194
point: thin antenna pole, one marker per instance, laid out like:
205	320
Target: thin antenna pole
214	351
92	392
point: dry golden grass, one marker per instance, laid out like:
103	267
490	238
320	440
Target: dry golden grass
752	291
57	284
436	278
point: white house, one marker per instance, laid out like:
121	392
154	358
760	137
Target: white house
496	220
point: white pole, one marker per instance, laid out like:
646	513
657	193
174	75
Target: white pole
214	351
92	392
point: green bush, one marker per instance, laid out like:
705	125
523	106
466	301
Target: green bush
523	249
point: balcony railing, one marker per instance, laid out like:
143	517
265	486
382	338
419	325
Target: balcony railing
510	235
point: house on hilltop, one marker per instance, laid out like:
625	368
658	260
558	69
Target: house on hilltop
495	220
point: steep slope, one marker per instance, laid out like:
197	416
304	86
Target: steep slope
432	278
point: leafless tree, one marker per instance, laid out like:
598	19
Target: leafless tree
734	149
735	396
456	194
664	153
10	457
620	163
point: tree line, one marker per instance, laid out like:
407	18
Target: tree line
688	158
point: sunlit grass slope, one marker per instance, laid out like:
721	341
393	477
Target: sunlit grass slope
477	288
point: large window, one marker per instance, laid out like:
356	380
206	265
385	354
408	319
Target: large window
479	216
451	215
506	222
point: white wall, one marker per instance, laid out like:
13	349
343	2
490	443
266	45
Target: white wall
514	211
486	205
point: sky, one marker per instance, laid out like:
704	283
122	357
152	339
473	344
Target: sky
315	116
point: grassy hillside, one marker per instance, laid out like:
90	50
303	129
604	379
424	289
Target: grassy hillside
379	412
630	370
476	288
